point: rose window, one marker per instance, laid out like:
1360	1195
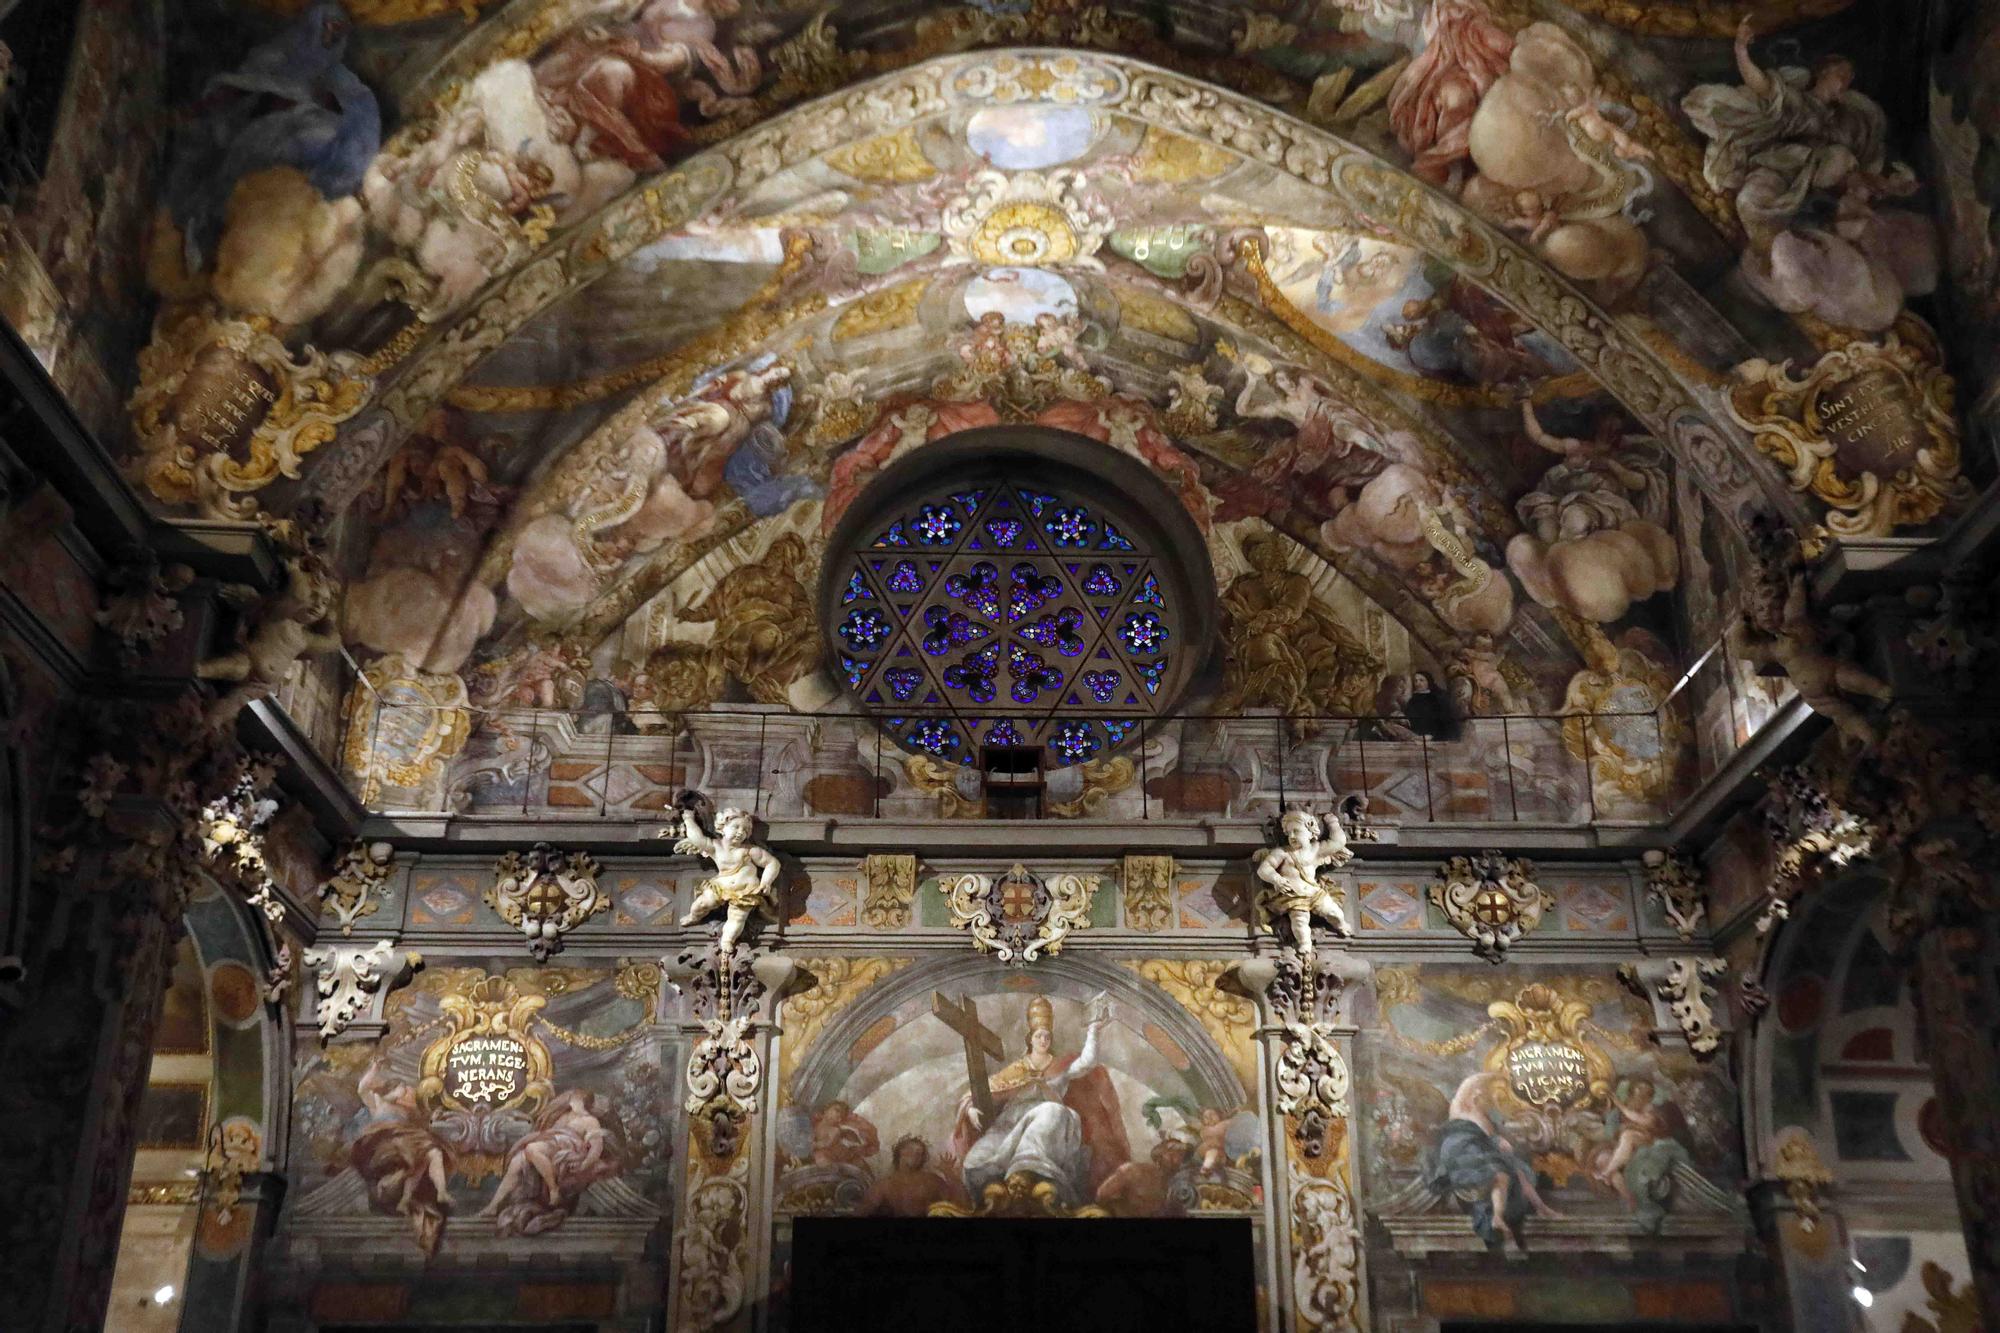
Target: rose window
1009	607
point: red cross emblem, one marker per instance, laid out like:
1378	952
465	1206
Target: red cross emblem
1017	899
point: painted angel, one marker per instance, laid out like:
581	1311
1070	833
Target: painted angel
1290	876
571	1148
1645	1138
1594	540
1791	143
746	874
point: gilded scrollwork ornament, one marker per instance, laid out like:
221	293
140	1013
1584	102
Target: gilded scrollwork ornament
1326	1249
1674	881
1869	429
888	890
1027	217
1492	899
231	828
1301	997
1808	830
235	1150
1148	890
224	409
404	726
357	885
1681	984
1312	1082
350	977
728	996
1019	916
545	894
1804	1175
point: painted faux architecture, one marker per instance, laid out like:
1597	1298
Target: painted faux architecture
630	624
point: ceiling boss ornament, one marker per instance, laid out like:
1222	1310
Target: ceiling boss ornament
1029	218
1019	916
545	894
1490	899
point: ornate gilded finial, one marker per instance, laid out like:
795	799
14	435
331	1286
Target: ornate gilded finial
1674	881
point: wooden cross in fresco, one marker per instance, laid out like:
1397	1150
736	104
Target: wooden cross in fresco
980	1041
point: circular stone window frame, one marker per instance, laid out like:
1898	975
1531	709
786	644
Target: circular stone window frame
1119	486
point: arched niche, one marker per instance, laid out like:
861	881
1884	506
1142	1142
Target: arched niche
1839	1060
212	1213
895	1060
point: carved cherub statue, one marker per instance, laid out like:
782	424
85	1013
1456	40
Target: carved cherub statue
1779	628
281	628
746	874
1289	876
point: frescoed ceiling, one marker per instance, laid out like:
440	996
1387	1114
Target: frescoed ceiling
1506	316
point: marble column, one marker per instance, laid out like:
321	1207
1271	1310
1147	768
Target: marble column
1314	1255
75	1058
1959	1014
724	1215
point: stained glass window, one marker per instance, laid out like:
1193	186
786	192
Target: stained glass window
995	613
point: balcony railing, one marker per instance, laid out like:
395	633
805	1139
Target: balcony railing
1567	769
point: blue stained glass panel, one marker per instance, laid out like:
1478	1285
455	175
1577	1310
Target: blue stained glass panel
1030	675
933	736
1031	589
865	627
1061	631
978	588
946	630
1071	527
1004	732
1090	618
1004	531
937	525
1142	632
974	674
1075	741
